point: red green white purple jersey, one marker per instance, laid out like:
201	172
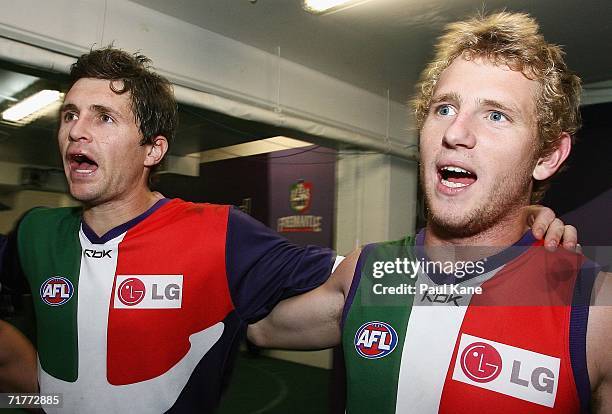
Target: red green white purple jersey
147	318
516	346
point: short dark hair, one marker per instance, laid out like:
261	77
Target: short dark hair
153	103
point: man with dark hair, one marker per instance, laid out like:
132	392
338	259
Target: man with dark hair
434	324
140	301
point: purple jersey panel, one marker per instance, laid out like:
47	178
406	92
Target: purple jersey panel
264	268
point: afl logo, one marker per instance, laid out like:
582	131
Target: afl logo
56	291
481	362
131	291
375	340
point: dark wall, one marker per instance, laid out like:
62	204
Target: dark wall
590	163
265	181
224	182
582	194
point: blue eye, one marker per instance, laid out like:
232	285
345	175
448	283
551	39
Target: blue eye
497	116
446	110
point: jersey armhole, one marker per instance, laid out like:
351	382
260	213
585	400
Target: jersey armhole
579	318
355	283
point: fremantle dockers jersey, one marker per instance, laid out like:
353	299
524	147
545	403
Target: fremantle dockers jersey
508	337
146	319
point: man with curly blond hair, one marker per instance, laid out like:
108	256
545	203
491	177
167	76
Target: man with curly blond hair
435	324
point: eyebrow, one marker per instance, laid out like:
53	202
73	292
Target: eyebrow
105	109
454	97
511	109
68	107
95	108
447	97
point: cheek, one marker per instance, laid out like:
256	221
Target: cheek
431	135
428	148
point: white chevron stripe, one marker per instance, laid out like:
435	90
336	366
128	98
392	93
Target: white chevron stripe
431	336
92	393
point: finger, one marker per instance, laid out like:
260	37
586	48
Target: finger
570	237
543	218
554	234
578	248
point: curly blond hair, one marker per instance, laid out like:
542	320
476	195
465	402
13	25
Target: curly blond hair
511	39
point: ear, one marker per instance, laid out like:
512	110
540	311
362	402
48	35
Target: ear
548	165
156	151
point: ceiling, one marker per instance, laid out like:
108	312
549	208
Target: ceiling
376	45
34	141
384	44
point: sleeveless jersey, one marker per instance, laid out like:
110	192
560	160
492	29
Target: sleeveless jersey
507	337
146	319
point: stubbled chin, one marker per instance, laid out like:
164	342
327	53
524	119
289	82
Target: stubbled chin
456	218
82	192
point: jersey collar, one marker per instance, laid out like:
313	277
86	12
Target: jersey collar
122	228
489	263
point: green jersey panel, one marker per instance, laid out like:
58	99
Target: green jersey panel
375	326
50	253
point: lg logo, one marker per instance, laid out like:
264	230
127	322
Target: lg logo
149	291
507	369
481	362
542	378
131	291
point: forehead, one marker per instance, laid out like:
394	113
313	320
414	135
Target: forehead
90	91
480	79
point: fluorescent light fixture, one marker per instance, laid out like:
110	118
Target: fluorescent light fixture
246	149
320	6
30	105
330	6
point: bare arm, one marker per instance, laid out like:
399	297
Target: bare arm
311	320
17	361
599	344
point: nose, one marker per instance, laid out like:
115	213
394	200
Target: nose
460	133
79	130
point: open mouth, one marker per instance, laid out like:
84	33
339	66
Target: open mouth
456	177
82	164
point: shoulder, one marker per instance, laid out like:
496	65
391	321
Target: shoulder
179	211
599	334
342	277
602	291
177	204
52	213
348	274
46	218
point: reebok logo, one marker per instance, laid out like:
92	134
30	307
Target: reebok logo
98	254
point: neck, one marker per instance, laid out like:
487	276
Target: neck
441	245
105	216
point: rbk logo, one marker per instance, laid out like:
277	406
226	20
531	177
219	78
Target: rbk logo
98	254
442	298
